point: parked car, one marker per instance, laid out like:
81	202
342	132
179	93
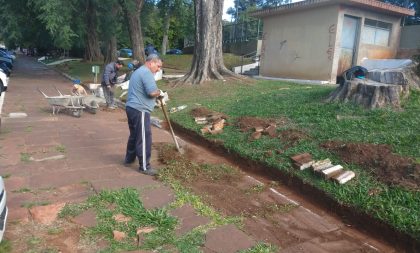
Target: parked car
9	54
4	81
174	51
125	52
5	69
3	209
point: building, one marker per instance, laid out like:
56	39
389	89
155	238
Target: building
319	39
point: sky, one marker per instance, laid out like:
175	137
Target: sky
226	5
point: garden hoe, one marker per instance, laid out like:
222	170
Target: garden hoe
170	126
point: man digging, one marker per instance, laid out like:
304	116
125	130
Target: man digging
141	100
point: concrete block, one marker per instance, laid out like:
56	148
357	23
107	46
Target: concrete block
321	164
344	177
331	171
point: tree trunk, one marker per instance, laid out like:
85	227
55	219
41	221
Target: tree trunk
92	51
370	94
207	63
166	31
111	50
132	12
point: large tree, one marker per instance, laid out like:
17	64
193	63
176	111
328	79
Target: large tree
132	10
92	49
109	27
207	63
57	16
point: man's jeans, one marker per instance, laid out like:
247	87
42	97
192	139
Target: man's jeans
140	140
109	95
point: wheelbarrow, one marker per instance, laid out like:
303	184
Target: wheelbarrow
74	104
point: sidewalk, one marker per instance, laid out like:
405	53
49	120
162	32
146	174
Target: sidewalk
61	152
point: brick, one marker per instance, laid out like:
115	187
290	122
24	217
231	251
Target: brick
302	158
344	177
331	171
321	164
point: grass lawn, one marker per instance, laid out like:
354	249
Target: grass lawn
172	64
304	110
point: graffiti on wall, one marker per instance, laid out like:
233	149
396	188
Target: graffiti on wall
331	39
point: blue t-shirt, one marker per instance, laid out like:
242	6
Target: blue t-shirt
142	83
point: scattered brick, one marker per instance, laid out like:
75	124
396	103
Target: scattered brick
302	161
121	218
321	164
259	129
344	177
255	136
331	171
271	131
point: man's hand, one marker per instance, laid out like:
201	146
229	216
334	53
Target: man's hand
163	96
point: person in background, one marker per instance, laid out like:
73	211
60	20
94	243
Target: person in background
109	79
132	66
78	89
141	100
150	49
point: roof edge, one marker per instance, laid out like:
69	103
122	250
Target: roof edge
375	4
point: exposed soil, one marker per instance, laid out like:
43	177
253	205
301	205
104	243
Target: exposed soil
292	137
246	123
379	160
204	112
219	185
266	216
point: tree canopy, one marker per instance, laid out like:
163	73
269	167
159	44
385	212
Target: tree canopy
89	27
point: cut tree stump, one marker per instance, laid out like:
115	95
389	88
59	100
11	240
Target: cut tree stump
369	93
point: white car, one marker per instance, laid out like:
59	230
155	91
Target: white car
3	209
4	81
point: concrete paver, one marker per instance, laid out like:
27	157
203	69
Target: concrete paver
227	239
188	219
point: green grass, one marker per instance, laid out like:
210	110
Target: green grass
126	202
172	64
303	106
25	157
261	248
22	190
183	62
5	246
60	148
35	203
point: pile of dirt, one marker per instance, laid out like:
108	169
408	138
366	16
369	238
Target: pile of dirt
246	123
204	112
389	168
293	136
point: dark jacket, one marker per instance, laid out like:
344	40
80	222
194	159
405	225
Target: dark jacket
109	77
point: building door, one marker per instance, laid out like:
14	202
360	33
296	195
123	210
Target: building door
349	39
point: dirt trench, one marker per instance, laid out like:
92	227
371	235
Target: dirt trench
282	222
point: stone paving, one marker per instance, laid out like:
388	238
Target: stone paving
92	150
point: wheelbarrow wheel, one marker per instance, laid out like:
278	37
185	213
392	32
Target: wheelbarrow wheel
77	113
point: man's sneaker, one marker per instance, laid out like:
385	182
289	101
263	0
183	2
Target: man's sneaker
112	107
150	172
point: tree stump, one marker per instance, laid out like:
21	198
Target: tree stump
369	93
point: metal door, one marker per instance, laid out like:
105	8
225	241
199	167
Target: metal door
349	38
